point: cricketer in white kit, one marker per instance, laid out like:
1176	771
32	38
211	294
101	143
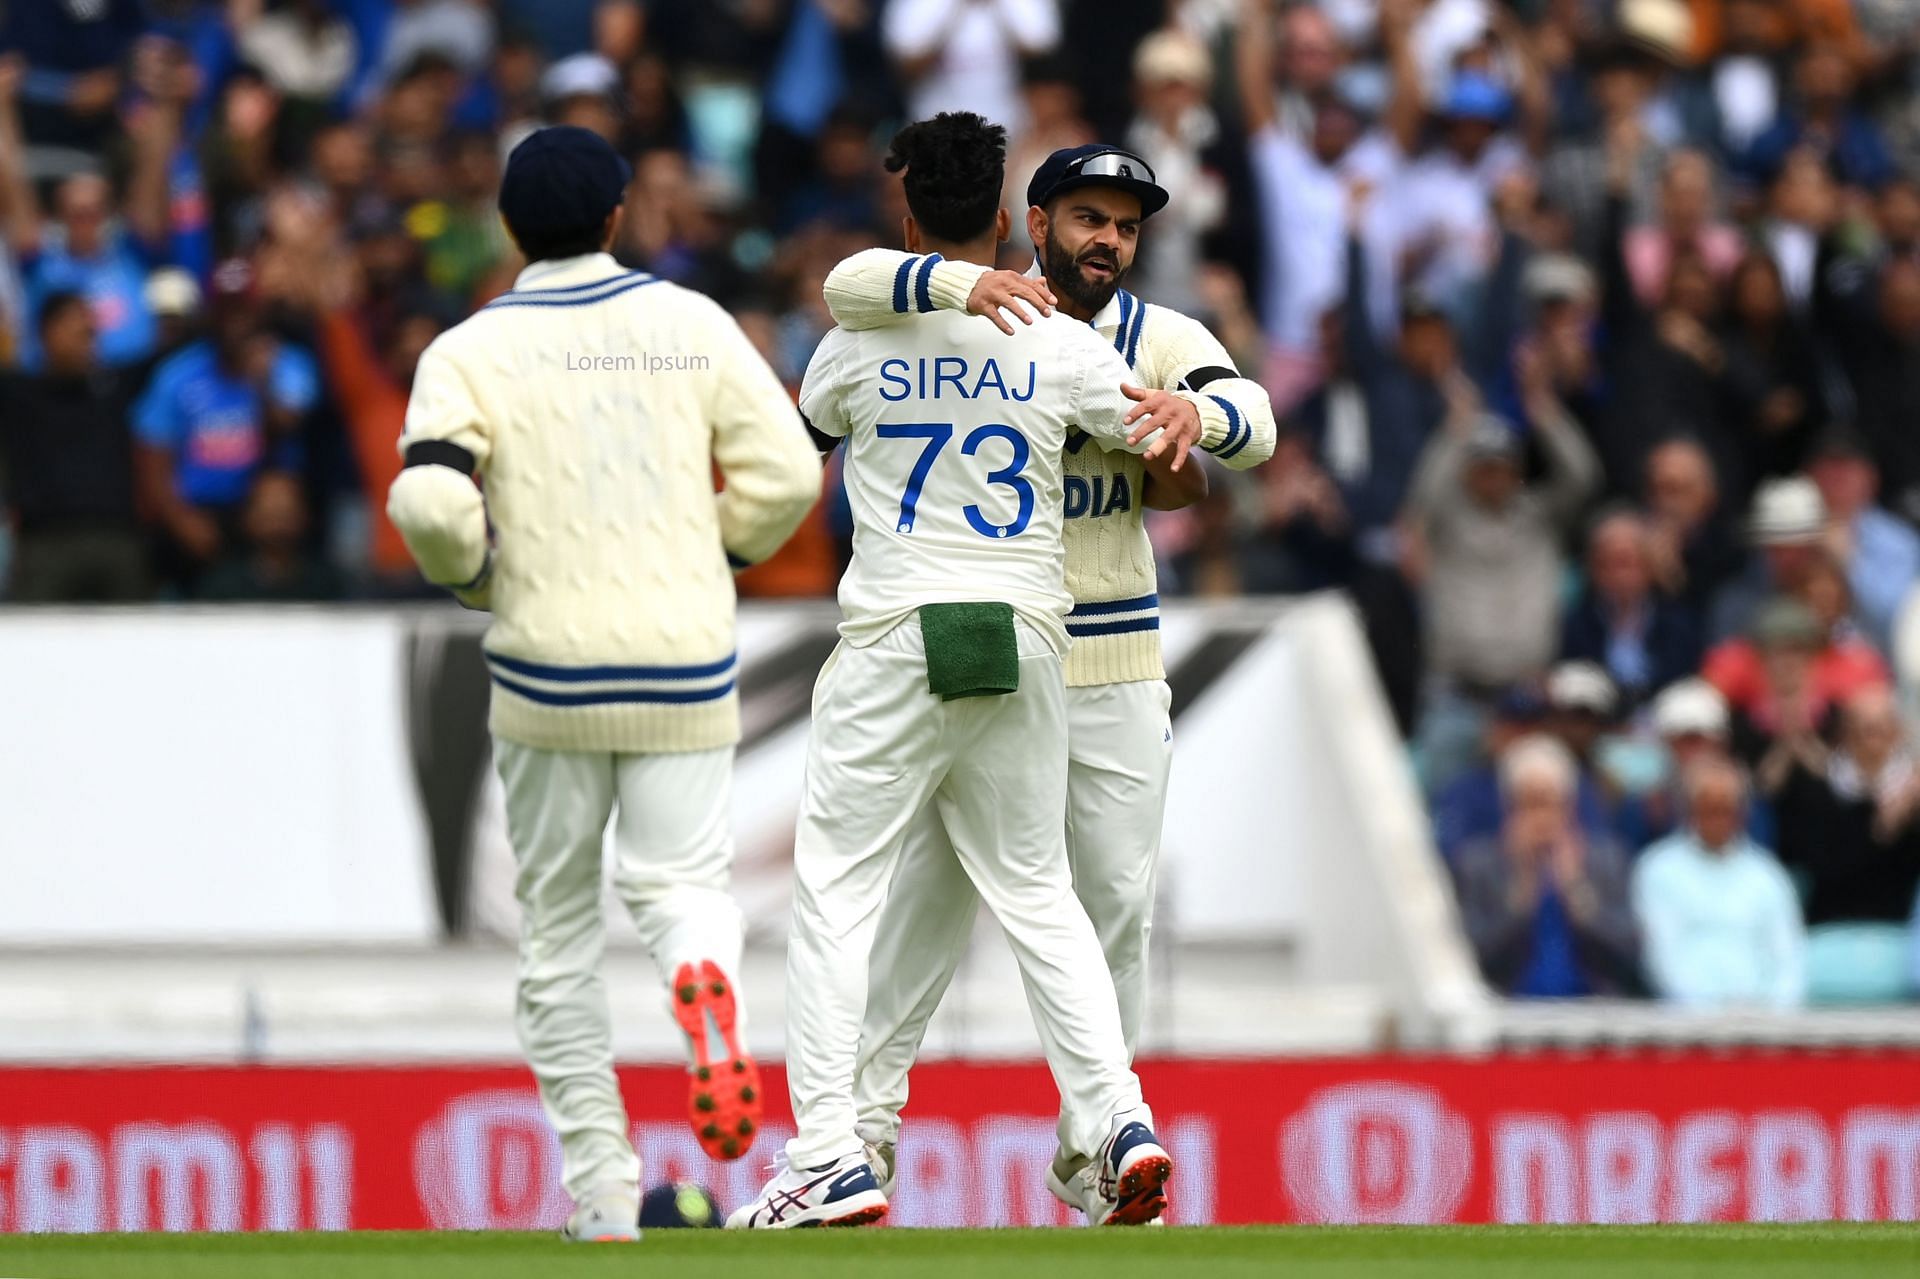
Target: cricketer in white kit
604	554
946	689
1087	204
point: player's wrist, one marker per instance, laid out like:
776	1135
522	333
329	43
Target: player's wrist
950	284
1216	427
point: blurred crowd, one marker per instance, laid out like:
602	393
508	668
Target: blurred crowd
1594	327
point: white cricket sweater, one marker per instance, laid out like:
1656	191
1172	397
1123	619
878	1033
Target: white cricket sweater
594	404
1110	572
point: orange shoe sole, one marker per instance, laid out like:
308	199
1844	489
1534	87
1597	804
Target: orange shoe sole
1142	1193
723	1097
865	1217
1138	1212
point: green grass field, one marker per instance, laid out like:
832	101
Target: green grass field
1659	1252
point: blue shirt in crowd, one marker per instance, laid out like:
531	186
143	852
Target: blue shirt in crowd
113	282
214	422
1719	927
1553	969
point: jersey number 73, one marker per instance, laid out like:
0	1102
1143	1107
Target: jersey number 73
936	436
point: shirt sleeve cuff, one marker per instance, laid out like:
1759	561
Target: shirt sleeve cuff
951	284
1218	420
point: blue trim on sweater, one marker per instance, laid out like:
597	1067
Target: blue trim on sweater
618	697
1083	630
900	279
1134	605
922	282
589	674
516	299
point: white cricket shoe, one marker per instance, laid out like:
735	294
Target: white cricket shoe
609	1214
1129	1179
1080	1191
842	1193
886	1167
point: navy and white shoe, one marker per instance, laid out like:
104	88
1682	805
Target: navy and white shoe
842	1193
610	1214
1081	1192
1129	1178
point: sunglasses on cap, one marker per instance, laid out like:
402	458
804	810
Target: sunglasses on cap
1111	164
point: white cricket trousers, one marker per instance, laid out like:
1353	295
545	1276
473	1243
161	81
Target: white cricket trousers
673	855
994	770
1119	756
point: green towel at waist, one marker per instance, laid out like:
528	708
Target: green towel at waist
972	650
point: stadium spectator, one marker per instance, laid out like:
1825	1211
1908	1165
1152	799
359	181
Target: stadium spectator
273	562
1786	526
1882	359
1643	637
1880	552
1490	545
370	374
1718	916
1847	828
1583	705
1305	538
1176	131
460	31
1311	144
305	49
1546	907
1379	405
87	249
1783	680
68	463
964	55
173	295
1472	805
1773	376
214	414
1690	539
1690	725
1823	118
73	56
1661	358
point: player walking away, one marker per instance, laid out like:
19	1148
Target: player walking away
1087	204
946	688
594	403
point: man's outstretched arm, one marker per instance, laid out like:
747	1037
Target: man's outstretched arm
878	287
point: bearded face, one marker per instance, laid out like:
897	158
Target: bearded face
1089	245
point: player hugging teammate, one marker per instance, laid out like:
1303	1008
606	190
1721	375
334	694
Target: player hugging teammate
994	724
1041	794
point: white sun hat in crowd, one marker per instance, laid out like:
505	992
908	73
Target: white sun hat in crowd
1690	706
580	75
1787	512
1582	686
172	291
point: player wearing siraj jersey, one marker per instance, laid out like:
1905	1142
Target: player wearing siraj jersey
1088	204
946	692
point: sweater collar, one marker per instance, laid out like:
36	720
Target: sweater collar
1106	321
552	273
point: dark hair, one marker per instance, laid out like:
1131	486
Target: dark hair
56	304
955	164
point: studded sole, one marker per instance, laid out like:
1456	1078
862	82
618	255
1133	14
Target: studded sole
1145	1178
723	1097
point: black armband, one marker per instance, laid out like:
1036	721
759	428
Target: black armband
441	453
821	440
1200	377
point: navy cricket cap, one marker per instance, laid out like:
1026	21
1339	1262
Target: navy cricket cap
1097	165
560	180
